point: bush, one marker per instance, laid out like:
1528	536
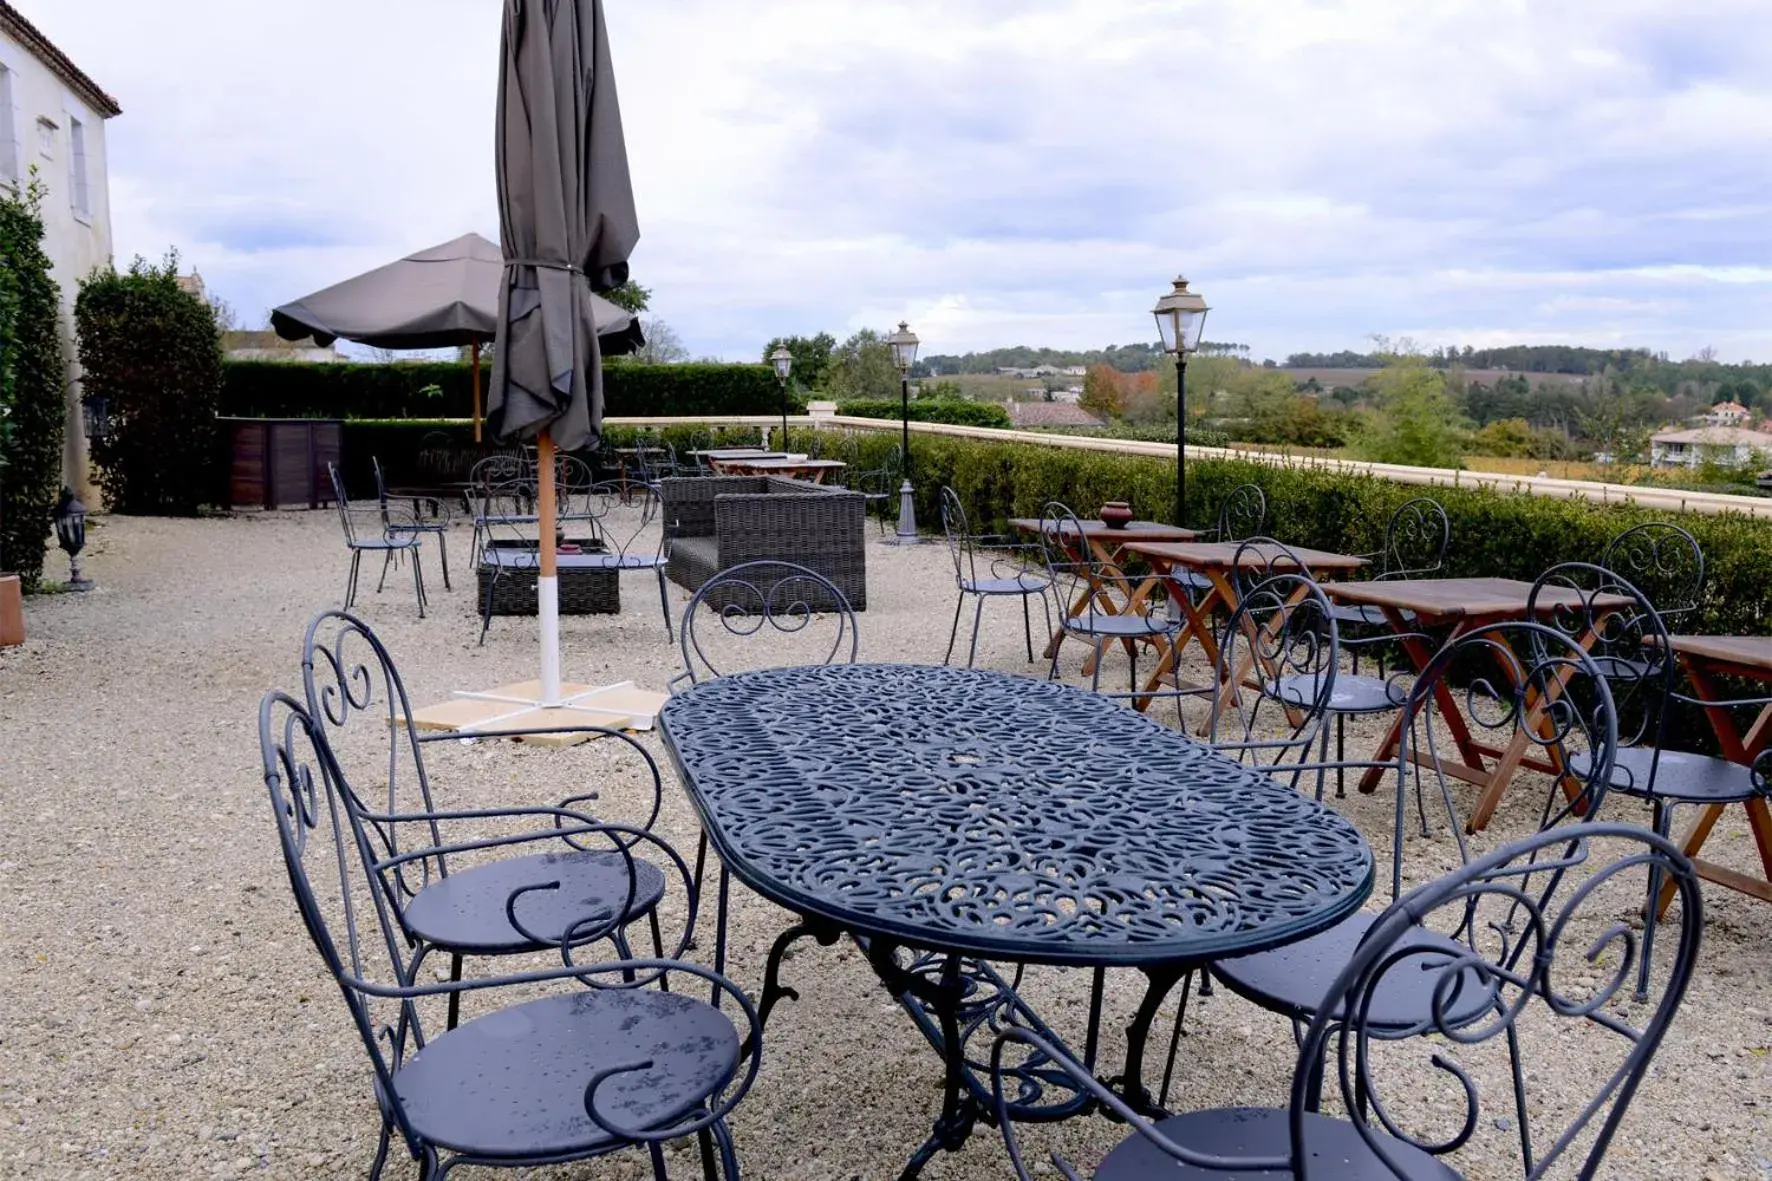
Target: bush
285	389
32	380
153	351
954	412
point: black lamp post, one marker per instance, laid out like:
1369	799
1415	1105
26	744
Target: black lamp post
784	365
70	534
1181	316
903	344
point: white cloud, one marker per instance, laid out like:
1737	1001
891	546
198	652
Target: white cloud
1008	171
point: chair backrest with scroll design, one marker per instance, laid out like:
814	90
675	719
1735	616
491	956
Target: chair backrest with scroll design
1666	564
780	611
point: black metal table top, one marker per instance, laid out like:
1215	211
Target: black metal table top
1003	817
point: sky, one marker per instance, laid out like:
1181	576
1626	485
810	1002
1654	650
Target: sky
1002	172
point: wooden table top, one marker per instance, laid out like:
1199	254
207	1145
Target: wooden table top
778	461
1447	599
1092	529
1221	555
1754	652
739	453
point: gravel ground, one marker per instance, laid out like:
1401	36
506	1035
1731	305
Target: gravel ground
168	1017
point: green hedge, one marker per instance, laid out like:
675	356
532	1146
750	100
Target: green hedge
1507	535
286	389
951	411
32	373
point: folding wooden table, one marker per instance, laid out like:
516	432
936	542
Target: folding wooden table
1412	605
1705	659
1108	545
1218	561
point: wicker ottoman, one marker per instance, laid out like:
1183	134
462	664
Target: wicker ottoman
588	586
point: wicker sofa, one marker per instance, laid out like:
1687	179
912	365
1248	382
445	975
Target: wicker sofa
717	522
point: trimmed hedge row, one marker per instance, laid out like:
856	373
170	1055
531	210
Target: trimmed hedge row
948	410
293	389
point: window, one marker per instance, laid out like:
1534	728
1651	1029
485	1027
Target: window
79	181
46	137
9	153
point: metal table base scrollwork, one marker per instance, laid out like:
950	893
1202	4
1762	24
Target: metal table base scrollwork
949	819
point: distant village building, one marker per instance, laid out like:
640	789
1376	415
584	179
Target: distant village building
1727	414
265	345
1033	415
1715	444
52	118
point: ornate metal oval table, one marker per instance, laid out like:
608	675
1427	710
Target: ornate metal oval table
949	818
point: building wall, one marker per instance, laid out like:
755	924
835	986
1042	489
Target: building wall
76	243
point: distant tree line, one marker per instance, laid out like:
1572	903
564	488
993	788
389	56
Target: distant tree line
1126	358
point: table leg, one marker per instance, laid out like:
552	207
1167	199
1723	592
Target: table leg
944	996
1161	980
1419	656
1197	626
773	989
1509	763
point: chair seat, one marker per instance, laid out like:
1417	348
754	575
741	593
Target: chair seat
385	543
1021	584
1192	580
1119	626
1681	776
1350	695
465	911
1292	980
1334	1149
1364	615
512	1083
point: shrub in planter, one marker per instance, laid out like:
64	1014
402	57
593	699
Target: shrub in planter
153	351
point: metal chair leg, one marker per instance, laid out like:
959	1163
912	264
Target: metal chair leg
664	603
1027	627
443	555
454	997
1663	827
977	615
954	631
418	583
351	580
387	558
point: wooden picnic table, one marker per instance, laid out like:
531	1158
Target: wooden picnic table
1411	605
1218	562
1705	659
1107	545
813	471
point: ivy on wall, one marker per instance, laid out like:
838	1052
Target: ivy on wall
33	376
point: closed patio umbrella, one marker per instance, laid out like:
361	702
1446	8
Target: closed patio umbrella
439	298
566	216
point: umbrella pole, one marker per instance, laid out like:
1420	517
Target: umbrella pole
547	583
476	392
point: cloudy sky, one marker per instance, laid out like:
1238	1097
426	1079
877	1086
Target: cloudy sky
1006	171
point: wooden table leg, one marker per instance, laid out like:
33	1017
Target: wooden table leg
1420	656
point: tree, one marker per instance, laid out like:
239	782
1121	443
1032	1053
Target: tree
812	357
1416	420
1506	437
153	352
630	296
862	368
32	373
1103	395
663	346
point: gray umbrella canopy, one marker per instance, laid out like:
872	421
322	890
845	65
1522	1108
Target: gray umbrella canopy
438	298
566	214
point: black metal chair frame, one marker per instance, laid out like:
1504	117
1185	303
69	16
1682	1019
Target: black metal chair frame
1242	514
1666	563
660	1100
394	524
1479	996
1008	574
387	545
878	486
1077	577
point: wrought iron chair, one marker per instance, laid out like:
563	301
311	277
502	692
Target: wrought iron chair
1666	563
1086	591
499	486
364	535
564	1075
1242	514
1415	542
435	900
744	600
879	487
397	524
1628	638
1549	693
1501	991
1006	573
630	523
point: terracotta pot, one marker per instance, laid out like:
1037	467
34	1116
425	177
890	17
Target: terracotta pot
12	611
1116	514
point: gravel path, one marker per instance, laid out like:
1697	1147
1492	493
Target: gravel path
166	1015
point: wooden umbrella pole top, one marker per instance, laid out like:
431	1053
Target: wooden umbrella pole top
545	506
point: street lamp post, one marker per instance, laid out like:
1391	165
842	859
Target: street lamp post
784	364
1181	316
69	516
903	344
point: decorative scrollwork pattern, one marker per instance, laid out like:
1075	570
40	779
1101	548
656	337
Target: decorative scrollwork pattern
1003	817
